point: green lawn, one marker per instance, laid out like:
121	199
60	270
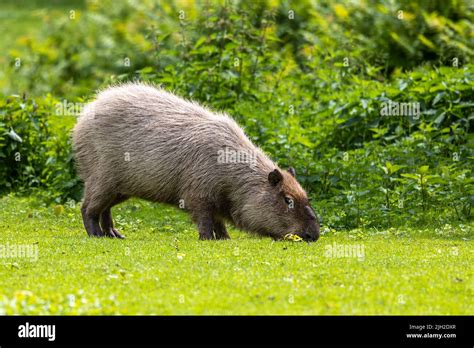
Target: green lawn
161	268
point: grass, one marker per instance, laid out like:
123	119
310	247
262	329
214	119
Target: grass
161	268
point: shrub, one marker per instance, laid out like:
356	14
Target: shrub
289	84
35	149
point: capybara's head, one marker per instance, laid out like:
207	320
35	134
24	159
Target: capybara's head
283	208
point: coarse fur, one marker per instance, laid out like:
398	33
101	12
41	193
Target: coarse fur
137	140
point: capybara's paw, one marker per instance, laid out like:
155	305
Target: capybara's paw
97	235
95	231
113	233
206	236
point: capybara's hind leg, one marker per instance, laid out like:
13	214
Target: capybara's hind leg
106	221
92	227
219	229
95	202
91	223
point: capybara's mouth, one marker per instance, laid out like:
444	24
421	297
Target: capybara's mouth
307	237
310	238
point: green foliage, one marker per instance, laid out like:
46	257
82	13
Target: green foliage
312	90
34	154
404	34
79	49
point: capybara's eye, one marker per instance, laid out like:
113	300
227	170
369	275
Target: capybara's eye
289	200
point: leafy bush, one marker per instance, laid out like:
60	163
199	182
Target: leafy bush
405	34
34	153
309	81
80	49
77	51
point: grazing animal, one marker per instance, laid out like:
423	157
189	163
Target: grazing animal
136	140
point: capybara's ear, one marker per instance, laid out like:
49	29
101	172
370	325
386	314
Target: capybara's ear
275	177
292	171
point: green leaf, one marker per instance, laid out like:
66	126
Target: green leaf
437	98
199	42
411	176
440	119
423	169
14	136
425	41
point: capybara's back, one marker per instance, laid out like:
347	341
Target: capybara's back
136	140
143	141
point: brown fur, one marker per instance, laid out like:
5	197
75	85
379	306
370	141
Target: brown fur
136	140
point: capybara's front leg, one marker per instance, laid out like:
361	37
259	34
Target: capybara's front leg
206	229
205	225
106	221
108	225
220	230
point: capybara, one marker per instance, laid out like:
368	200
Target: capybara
137	140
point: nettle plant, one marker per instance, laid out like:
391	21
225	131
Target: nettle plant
389	181
223	56
423	182
35	149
